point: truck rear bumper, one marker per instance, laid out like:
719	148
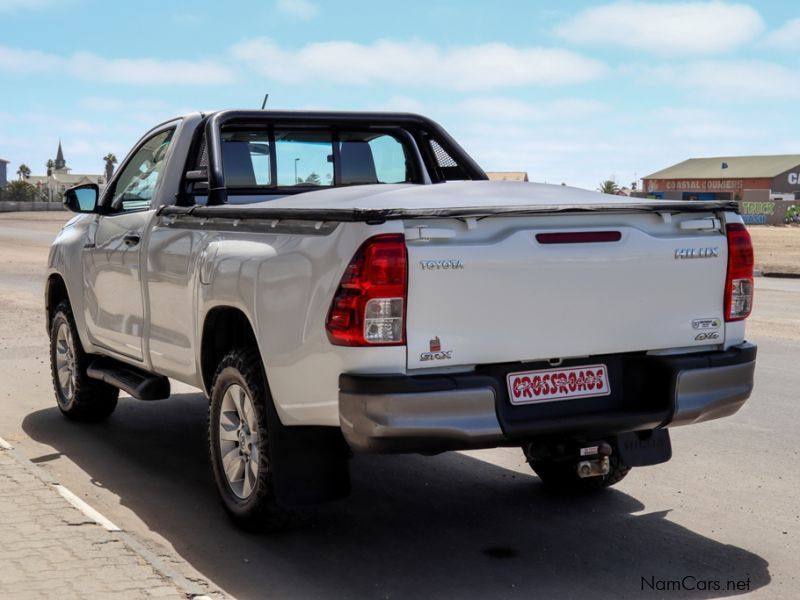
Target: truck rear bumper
430	413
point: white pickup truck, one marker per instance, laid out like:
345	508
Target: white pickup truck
339	282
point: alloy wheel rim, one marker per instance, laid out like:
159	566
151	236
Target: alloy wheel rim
65	362
238	441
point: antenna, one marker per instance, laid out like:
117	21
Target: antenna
264	104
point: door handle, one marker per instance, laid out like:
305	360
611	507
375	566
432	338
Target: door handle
132	239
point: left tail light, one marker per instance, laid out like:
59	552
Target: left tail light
369	306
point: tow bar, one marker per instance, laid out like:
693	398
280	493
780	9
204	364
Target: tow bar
594	460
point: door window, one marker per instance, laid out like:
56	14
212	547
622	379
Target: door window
135	185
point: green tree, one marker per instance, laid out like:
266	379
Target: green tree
20	191
110	160
24	171
313	179
609	186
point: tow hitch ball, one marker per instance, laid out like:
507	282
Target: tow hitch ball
594	460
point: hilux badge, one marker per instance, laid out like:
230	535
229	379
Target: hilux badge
681	253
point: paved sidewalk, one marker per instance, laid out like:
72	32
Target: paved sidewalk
50	549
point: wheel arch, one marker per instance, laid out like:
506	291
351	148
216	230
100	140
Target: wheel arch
55	292
224	328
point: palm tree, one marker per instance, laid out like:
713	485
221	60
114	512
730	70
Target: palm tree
50	166
609	186
24	171
111	160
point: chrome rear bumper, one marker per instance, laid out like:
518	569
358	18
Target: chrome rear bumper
429	413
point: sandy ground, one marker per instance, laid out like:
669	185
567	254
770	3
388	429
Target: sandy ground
776	249
470	524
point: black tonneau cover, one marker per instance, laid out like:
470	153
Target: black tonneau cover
374	216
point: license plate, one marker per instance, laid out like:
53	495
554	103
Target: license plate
548	385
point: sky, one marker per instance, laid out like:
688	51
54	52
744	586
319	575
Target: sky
569	91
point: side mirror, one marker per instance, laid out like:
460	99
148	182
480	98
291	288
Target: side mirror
82	198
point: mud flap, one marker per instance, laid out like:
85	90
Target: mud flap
640	449
310	465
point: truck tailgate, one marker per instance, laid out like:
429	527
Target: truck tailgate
495	293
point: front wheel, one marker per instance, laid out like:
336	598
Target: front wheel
79	397
562	476
239	443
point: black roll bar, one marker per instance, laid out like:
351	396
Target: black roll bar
218	193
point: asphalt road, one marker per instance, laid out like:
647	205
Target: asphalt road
458	525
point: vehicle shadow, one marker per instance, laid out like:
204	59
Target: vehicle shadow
449	526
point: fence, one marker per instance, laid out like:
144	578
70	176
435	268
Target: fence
7	206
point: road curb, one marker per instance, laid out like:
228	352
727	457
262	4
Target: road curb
779	275
192	589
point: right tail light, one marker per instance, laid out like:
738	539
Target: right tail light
739	281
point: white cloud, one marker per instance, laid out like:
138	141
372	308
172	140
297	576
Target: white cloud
786	37
731	80
298	9
715	131
140	71
679	28
386	62
7	6
116	104
147	71
498	109
25	61
689	123
513	109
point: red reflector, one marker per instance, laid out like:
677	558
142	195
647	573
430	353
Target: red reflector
578	237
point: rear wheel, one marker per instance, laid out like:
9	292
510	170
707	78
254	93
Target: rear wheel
239	443
562	476
79	397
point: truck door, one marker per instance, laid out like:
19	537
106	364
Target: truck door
112	254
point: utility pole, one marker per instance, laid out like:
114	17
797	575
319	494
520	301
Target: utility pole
295	170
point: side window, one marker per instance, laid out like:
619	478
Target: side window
246	159
391	163
372	158
136	183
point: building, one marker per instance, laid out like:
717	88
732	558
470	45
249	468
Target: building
764	185
507	175
3	172
727	178
60	177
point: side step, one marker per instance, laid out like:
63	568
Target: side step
138	383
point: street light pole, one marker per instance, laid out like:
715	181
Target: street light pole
295	170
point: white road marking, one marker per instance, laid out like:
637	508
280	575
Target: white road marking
85	508
5	445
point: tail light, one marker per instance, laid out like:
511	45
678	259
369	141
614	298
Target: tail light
370	303
739	282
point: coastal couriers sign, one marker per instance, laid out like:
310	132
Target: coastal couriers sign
704	185
722	186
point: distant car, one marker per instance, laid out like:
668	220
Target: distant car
340	282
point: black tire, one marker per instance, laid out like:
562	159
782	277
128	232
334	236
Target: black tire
79	397
562	477
259	509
